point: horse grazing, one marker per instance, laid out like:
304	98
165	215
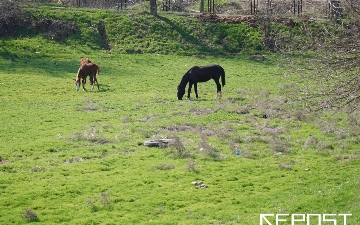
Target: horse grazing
89	69
201	74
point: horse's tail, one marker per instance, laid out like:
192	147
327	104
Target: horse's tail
97	71
222	76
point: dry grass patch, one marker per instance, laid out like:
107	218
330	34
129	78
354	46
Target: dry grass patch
178	128
91	135
2	160
74	159
38	169
30	216
200	112
311	142
208	150
285	166
179	151
164	166
347	158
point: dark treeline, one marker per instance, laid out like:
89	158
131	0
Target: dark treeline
102	4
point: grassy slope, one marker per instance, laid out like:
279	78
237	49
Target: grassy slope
46	125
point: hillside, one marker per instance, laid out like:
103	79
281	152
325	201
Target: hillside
132	32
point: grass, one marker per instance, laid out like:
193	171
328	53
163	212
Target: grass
63	148
71	157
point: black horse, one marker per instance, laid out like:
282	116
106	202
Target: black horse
201	74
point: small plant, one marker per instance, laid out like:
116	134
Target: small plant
75	159
125	119
38	169
159	210
190	166
279	145
206	148
2	160
285	166
180	150
166	166
30	216
91	135
311	142
94	207
105	198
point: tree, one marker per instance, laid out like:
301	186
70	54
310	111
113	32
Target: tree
153	7
332	81
202	6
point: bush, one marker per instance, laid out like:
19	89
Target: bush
12	18
30	216
236	37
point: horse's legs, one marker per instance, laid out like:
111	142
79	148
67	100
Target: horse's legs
189	90
93	80
97	83
195	88
218	86
83	81
92	83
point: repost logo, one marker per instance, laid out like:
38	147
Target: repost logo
304	219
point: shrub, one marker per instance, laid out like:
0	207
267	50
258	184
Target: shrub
236	37
12	18
166	166
180	150
30	216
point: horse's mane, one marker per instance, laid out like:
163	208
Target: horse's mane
185	78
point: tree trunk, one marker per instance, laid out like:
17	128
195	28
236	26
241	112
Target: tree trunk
153	7
202	6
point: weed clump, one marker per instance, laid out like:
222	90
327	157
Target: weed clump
30	216
166	166
180	150
38	169
75	159
208	150
285	166
91	135
311	142
190	166
104	199
2	160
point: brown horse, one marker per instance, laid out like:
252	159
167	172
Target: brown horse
84	61
88	69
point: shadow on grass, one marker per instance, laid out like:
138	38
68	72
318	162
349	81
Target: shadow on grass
48	67
105	88
203	47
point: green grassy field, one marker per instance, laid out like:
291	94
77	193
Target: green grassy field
76	157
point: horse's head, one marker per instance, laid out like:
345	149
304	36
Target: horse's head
77	79
181	92
77	83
